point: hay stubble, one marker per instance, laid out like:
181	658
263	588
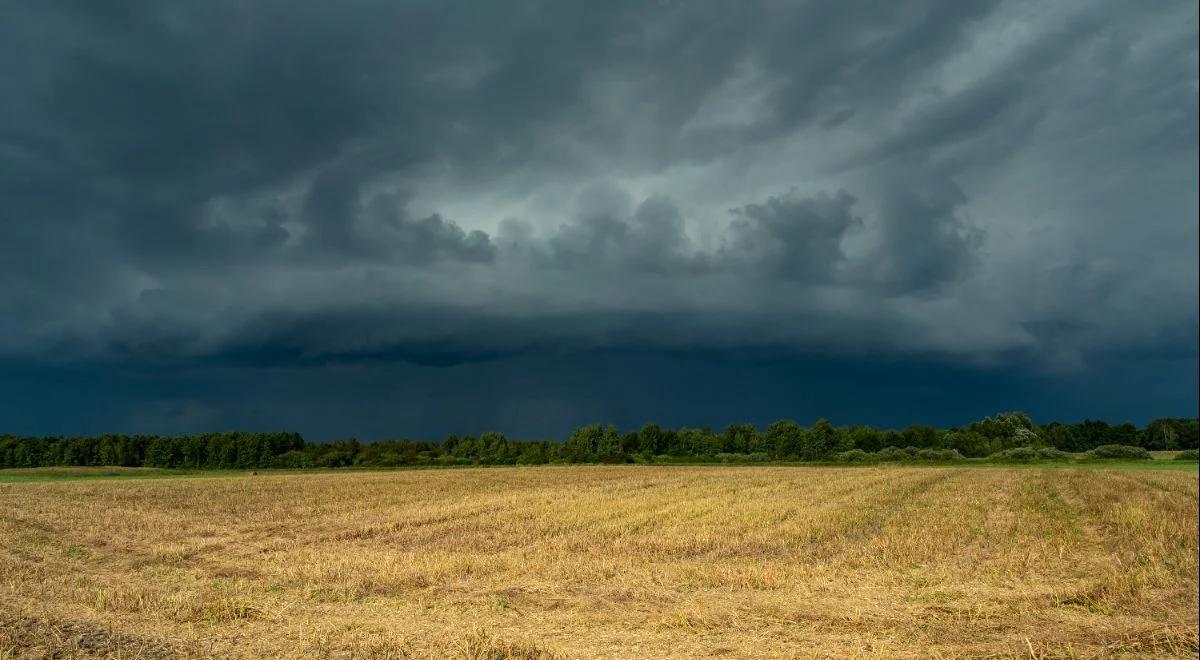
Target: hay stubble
606	562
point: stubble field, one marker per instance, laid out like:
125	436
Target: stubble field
633	562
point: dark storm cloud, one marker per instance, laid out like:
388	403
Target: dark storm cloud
924	244
547	395
442	183
791	237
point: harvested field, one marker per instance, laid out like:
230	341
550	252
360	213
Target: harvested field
605	562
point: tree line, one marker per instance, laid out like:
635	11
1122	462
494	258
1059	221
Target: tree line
1005	434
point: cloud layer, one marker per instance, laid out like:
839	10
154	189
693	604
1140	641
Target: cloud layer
237	182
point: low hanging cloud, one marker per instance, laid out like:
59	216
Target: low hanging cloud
923	243
792	238
282	181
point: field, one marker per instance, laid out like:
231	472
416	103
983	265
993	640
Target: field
637	562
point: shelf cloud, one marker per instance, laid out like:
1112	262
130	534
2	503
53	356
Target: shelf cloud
392	186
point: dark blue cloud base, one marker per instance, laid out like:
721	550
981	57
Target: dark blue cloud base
391	219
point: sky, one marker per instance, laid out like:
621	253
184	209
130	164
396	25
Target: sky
390	219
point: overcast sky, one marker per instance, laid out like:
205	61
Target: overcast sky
403	219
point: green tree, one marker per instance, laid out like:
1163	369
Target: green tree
583	445
651	440
786	438
969	443
609	446
739	439
161	453
819	442
1160	435
865	438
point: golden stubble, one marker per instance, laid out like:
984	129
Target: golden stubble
605	562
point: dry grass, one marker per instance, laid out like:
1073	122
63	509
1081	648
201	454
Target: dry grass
605	562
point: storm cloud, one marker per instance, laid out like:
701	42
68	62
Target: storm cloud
265	185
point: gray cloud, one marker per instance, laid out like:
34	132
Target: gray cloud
432	183
923	243
792	237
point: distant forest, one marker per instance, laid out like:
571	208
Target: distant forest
1011	435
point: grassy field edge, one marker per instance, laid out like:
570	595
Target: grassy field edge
72	473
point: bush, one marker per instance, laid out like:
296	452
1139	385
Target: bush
893	454
292	460
1125	452
668	459
733	457
1052	454
855	456
1016	455
1029	455
939	455
1188	455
